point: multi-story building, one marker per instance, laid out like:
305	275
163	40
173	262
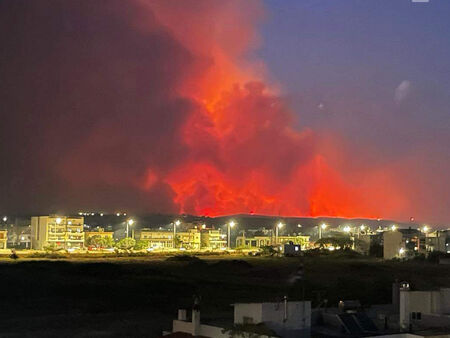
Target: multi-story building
190	239
213	239
157	239
3	239
438	241
61	231
261	241
164	239
403	243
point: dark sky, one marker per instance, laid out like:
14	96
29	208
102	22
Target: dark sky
314	107
87	103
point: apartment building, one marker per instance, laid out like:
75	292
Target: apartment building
438	241
190	239
157	239
403	243
64	232
256	242
213	239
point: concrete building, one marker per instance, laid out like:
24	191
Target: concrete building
424	309
280	319
392	244
213	239
403	243
157	239
257	242
3	239
61	231
438	240
190	239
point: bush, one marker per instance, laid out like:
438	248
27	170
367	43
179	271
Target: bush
126	244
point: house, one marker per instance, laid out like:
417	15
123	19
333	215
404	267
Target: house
279	319
424	309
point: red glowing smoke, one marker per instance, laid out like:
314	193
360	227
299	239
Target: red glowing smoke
160	106
245	155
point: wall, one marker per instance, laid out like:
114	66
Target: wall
392	242
251	310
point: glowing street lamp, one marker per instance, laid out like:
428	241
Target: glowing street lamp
393	227
362	227
322	227
279	226
230	225
175	224
425	229
347	229
130	223
5	219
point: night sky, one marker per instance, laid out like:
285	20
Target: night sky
305	108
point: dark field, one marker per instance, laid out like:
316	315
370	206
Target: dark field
140	296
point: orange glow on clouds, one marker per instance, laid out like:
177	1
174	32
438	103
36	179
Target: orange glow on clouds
245	155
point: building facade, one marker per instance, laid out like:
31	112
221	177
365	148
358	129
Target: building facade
438	241
213	239
190	239
63	232
403	243
157	239
257	242
3	239
424	309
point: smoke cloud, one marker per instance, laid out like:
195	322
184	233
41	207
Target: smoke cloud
161	107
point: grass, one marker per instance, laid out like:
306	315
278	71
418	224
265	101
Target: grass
139	296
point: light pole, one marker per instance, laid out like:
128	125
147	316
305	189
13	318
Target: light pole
322	227
130	222
230	225
279	226
347	230
175	224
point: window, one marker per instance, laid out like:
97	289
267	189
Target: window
416	315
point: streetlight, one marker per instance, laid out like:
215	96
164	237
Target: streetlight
425	228
393	227
279	226
322	227
130	222
5	219
347	229
230	225
175	224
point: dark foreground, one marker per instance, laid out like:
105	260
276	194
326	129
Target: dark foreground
139	297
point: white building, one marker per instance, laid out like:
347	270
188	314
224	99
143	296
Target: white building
284	319
424	309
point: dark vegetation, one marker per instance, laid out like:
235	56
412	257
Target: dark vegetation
139	296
